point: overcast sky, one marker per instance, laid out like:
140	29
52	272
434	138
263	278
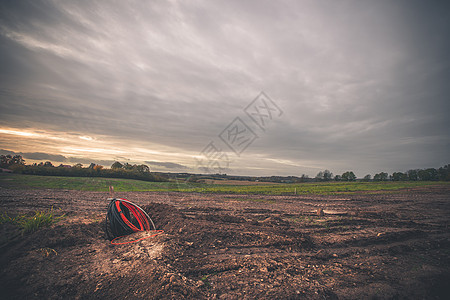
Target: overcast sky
349	85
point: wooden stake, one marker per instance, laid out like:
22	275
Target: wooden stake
111	191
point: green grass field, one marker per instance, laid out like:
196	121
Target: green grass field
321	188
86	183
124	185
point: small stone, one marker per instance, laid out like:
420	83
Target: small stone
172	279
200	283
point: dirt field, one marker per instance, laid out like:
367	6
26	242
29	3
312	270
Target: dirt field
366	246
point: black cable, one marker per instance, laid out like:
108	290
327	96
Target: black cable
115	226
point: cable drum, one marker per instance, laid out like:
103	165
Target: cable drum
124	218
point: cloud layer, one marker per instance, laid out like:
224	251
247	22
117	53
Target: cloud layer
363	84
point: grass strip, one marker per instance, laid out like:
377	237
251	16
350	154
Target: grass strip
129	185
30	224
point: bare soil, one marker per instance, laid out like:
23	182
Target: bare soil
364	246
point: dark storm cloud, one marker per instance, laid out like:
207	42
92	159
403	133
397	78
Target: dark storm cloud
363	84
102	162
44	156
36	155
8	152
168	165
40	156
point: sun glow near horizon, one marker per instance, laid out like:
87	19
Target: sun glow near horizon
73	146
37	145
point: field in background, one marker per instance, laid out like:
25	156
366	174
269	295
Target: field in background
98	184
130	185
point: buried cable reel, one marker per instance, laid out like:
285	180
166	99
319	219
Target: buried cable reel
124	218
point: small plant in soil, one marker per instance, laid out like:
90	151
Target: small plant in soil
30	224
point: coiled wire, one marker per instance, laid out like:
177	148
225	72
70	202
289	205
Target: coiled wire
124	218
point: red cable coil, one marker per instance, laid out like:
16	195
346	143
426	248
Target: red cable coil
141	217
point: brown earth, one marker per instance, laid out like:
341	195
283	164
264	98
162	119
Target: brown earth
364	246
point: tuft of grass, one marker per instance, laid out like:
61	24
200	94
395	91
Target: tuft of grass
29	224
303	219
268	201
205	279
39	220
5	218
46	252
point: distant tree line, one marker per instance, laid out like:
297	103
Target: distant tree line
6	161
430	174
142	172
443	174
